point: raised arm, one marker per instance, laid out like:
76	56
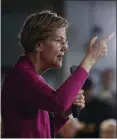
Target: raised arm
41	95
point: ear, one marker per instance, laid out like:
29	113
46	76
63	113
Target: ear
39	47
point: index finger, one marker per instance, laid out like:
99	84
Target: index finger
109	37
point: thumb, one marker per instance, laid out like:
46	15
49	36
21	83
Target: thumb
93	41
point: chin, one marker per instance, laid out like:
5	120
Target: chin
58	65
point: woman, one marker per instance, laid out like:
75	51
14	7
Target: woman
26	97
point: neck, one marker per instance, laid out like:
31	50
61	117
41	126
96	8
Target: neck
40	68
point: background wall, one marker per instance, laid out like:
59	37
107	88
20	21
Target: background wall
83	16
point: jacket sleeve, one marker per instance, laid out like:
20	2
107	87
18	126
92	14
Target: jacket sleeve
39	94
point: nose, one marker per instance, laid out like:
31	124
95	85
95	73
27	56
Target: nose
64	47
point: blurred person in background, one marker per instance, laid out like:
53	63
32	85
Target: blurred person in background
108	129
26	98
70	128
93	114
107	91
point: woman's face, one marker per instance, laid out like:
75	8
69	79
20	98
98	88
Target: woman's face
54	48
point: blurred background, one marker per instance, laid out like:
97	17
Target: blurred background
87	19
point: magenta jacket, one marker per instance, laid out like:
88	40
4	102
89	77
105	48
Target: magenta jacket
26	100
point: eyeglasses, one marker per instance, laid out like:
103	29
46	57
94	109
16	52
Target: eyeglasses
60	41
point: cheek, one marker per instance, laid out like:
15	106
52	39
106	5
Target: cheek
49	54
53	50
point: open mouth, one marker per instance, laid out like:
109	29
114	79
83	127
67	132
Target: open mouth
60	57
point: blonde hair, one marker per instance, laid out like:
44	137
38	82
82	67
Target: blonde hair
106	123
39	26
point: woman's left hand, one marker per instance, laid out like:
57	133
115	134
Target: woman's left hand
80	99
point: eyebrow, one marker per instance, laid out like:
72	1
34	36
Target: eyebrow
61	38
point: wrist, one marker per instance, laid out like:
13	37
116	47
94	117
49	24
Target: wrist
90	58
88	62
